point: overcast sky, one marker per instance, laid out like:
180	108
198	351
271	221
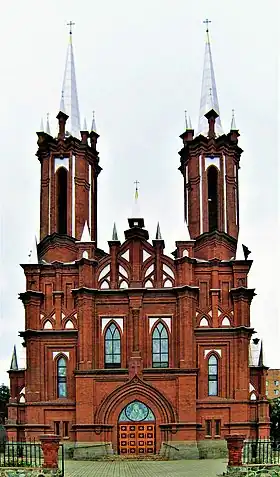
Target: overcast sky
139	66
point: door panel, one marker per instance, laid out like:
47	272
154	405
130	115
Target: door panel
136	438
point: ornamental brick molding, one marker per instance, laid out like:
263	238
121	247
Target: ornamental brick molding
235	445
50	446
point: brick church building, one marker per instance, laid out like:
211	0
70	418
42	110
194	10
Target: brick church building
129	346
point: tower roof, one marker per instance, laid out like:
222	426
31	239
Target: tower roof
209	97
233	123
14	362
158	233
93	124
69	103
115	233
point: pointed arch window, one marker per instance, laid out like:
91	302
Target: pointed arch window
61	377
160	344
212	376
112	340
61	182
212	179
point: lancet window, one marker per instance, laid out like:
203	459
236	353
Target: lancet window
212	376
112	347
61	378
160	346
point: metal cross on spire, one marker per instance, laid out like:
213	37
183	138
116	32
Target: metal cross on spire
186	120
70	24
136	208
207	23
136	189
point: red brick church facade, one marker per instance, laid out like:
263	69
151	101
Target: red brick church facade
132	347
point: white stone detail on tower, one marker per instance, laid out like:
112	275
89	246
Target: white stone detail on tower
225	194
33	254
64	162
200	195
89	197
212	161
73	194
85	235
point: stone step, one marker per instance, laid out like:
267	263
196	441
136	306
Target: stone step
152	457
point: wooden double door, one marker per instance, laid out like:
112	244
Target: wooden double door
136	438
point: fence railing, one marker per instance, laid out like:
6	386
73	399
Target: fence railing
61	459
21	454
169	450
261	451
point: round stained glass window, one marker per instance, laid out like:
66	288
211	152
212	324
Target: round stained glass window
136	411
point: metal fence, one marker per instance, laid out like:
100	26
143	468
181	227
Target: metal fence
21	454
261	451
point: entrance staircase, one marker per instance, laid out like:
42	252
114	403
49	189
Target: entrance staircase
105	452
134	457
167	452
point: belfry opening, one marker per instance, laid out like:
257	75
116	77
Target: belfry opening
212	181
61	187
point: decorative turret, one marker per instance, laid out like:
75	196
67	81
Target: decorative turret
69	170
115	233
158	242
209	164
14	361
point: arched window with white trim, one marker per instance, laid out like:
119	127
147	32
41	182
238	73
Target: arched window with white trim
160	344
112	347
62	377
212	376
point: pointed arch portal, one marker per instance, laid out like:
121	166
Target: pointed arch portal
136	429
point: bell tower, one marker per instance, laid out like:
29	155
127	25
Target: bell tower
69	167
209	164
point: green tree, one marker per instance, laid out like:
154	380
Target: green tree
275	419
4	393
4	399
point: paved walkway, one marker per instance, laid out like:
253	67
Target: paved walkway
179	468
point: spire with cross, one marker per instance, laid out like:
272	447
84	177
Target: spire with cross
209	97
69	96
207	23
136	190
136	205
70	24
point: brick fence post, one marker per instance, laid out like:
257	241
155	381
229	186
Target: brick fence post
235	445
50	446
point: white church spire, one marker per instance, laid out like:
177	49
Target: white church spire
69	96
233	123
209	97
